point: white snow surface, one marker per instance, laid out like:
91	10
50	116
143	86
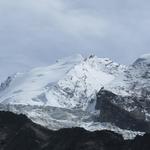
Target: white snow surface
71	82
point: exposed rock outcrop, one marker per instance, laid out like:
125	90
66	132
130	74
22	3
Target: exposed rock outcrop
125	112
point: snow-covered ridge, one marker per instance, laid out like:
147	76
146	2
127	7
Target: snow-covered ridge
71	82
142	61
146	57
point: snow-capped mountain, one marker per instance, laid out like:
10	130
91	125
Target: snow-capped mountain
71	82
65	94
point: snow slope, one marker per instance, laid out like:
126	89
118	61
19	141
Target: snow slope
74	81
26	87
70	83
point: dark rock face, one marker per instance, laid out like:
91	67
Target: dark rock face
80	139
139	143
17	132
117	109
5	84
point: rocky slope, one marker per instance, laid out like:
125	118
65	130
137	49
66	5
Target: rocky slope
17	132
126	112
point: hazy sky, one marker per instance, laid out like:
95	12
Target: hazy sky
37	32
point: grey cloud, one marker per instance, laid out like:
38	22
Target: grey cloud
37	32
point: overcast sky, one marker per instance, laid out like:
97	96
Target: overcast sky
37	32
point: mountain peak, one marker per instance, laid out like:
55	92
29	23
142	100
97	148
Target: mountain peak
143	61
146	56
